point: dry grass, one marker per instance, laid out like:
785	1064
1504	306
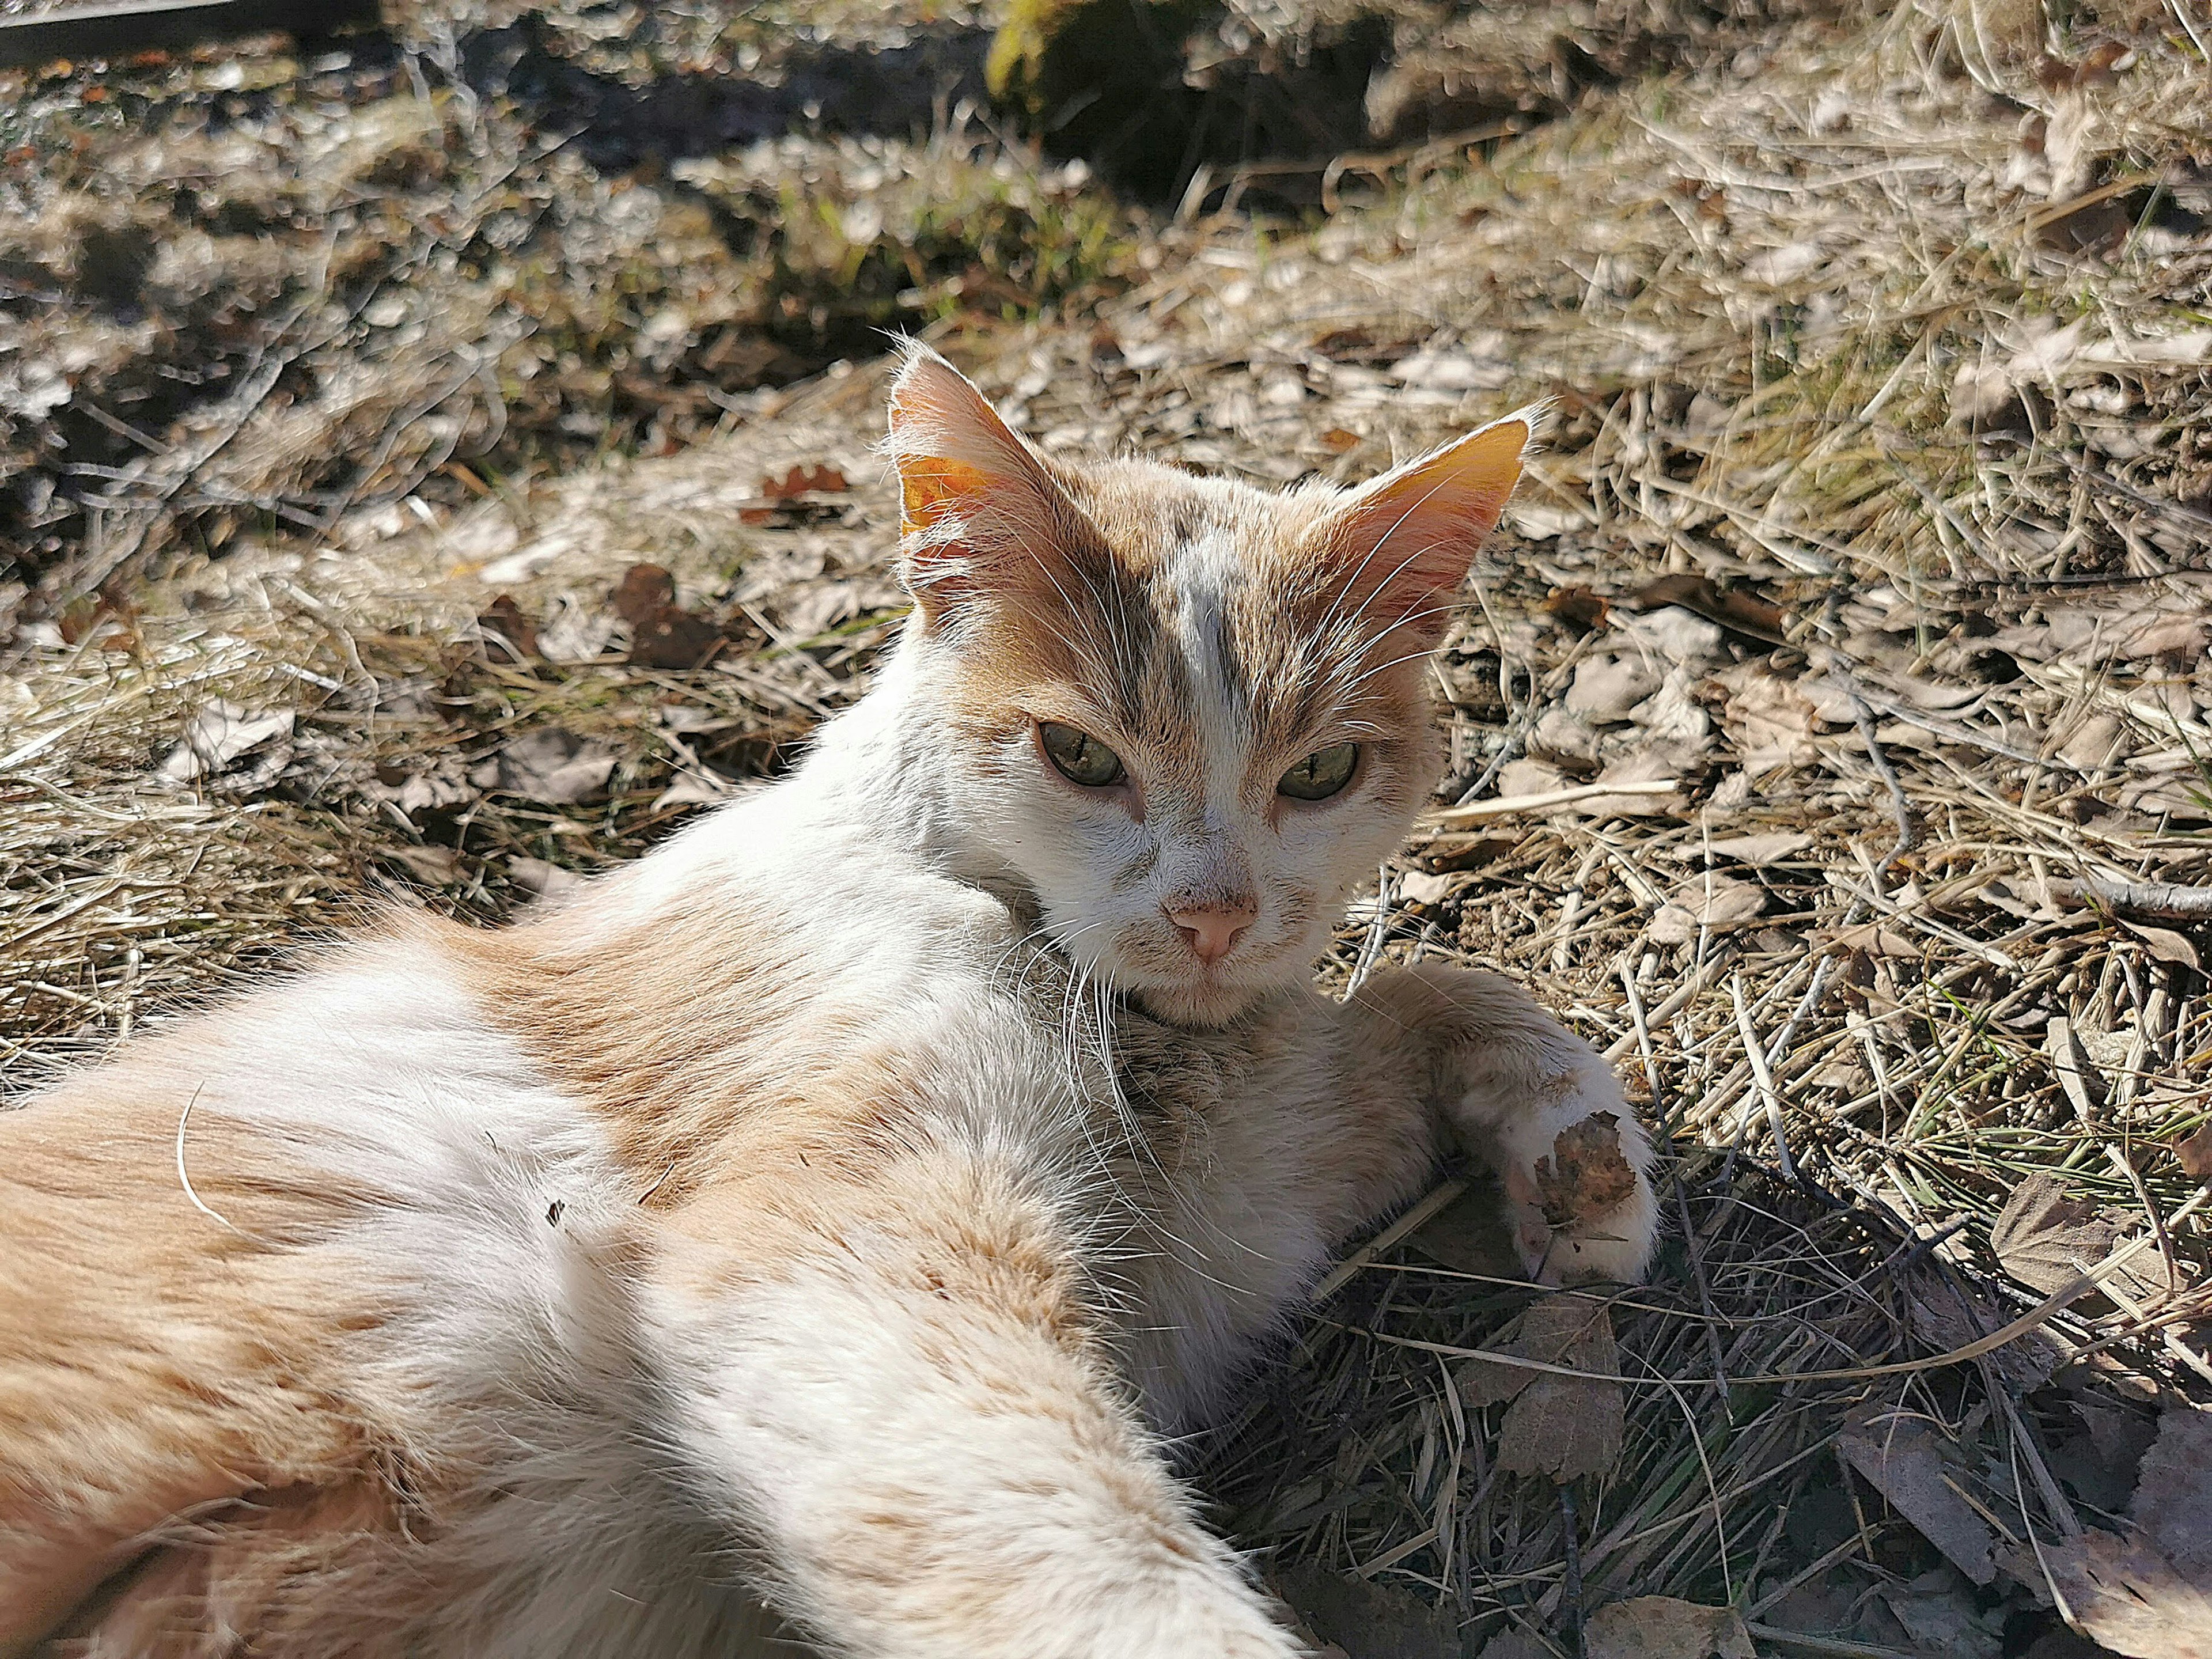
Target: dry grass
1959	675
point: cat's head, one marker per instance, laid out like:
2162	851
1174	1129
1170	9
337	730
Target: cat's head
1190	714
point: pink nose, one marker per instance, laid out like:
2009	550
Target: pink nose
1212	933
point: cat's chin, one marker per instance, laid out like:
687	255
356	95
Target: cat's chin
1197	1002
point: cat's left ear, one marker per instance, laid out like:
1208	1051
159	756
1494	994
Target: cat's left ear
1400	544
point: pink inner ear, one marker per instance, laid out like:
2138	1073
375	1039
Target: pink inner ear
1406	539
954	456
979	511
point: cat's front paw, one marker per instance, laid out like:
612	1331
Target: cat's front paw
1583	1208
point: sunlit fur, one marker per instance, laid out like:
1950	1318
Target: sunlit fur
809	1236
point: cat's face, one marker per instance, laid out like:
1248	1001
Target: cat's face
1190	714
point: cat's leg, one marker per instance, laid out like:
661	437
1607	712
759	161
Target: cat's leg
1508	1079
893	1392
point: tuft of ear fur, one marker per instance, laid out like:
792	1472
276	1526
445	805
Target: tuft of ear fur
1401	544
978	507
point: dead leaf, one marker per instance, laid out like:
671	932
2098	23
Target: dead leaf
1937	1610
2127	1595
2047	1240
1759	851
1419	887
1583	607
2195	1152
1736	608
803	481
2173	1505
1607	687
554	767
694	789
1377	1621
221	734
1339	441
547	881
2120	1436
1719	902
662	634
1565	1427
1464	849
2165	945
1676	726
576	632
1770	721
432	786
1661	1627
1585	1177
435	866
1901	1458
1473	1235
508	632
1949	1317
1639	766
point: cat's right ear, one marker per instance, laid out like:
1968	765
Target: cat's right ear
978	512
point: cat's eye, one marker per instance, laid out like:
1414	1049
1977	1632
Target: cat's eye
1078	756
1321	774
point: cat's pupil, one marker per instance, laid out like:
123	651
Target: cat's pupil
1080	757
1321	774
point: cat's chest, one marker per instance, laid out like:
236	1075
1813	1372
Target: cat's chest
1230	1222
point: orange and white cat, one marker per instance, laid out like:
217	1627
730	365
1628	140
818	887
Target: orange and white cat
806	1237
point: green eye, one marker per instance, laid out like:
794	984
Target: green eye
1078	756
1321	774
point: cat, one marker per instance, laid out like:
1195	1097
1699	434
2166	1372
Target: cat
809	1236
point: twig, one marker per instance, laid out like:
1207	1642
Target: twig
1506	806
1754	1054
2166	901
1571	1589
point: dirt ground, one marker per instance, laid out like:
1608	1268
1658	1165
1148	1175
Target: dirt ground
1830	722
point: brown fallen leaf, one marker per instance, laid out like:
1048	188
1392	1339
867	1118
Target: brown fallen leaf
662	634
1901	1458
509	636
2124	1593
2045	1239
1735	608
1770	721
1337	440
2195	1152
435	867
1761	850
2172	1503
1937	1610
803	481
1377	1621
1562	1427
1606	686
1718	902
547	881
1583	607
1661	1627
1948	1316
1585	1177
2164	943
